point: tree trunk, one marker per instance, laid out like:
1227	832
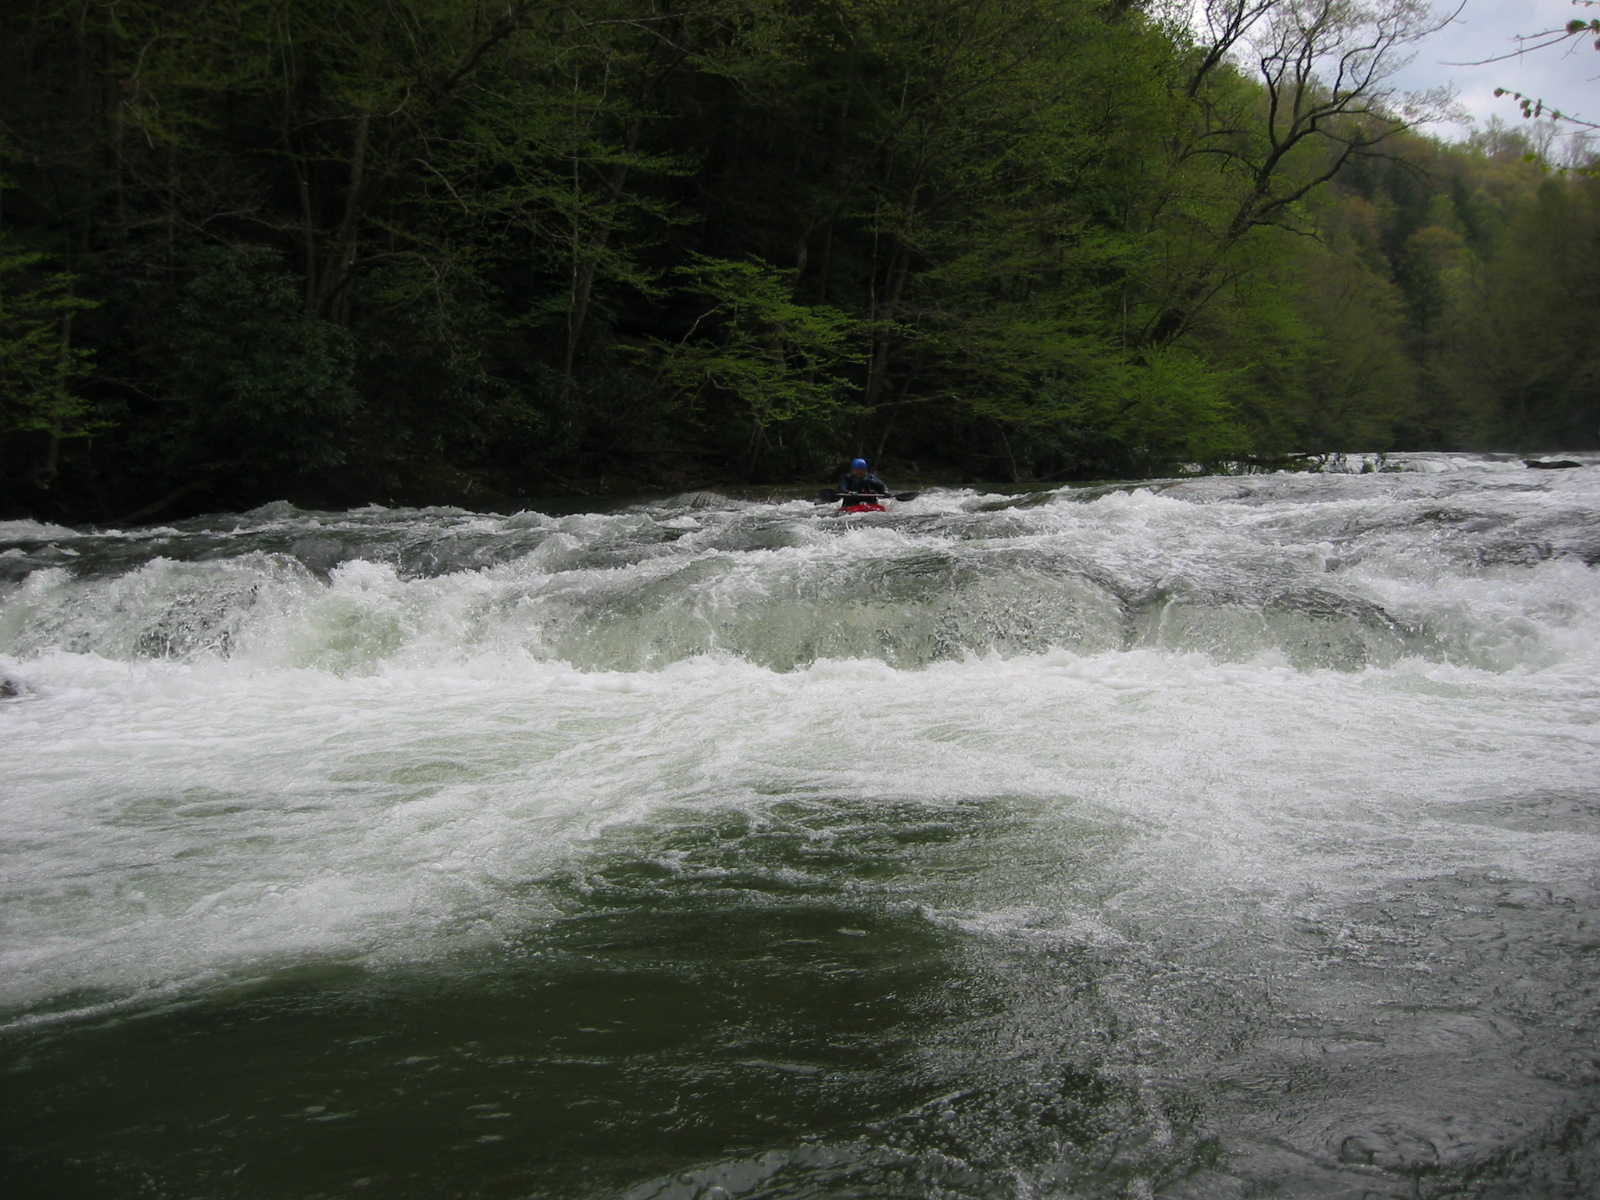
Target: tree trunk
335	298
583	266
878	366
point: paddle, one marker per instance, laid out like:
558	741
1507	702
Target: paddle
863	497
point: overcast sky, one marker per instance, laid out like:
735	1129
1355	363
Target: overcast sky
1567	76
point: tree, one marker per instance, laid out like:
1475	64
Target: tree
1325	95
776	359
252	390
1520	346
41	369
436	248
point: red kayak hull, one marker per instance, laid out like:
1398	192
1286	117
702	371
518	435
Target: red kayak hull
861	508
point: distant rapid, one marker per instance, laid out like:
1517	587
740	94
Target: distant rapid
1191	838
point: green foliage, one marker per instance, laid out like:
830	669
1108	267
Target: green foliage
779	360
1168	406
537	245
1360	385
41	370
250	384
1518	348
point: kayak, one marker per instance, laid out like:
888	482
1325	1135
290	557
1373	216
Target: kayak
863	502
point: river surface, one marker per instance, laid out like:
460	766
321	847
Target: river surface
1228	837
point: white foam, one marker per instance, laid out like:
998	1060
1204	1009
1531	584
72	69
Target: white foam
230	764
173	821
33	531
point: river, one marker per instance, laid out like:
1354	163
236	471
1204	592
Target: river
1222	837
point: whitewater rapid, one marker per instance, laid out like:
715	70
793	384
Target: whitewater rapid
1298	770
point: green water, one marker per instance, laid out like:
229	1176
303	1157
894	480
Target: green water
758	1008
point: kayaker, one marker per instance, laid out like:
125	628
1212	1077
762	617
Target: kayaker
859	481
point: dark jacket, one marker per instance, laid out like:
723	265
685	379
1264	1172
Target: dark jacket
863	485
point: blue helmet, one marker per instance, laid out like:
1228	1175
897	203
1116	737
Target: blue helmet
858	464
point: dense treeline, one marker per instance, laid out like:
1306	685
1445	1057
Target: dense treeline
441	249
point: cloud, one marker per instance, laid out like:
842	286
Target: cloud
1565	77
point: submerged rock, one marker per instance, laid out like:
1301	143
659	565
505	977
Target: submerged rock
11	688
696	500
1560	464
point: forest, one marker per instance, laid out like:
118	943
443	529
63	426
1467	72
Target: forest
465	251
